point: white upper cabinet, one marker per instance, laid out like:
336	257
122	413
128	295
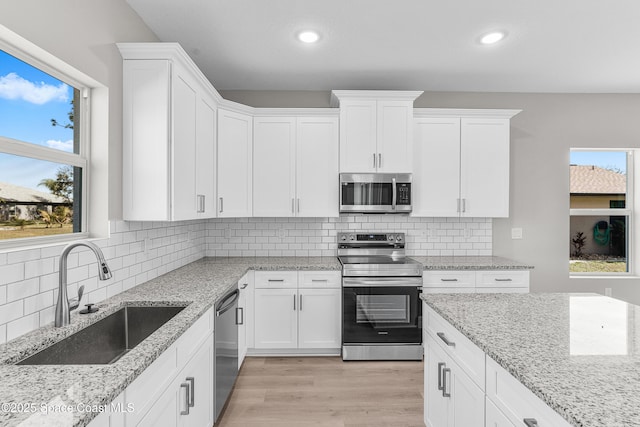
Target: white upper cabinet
461	163
235	145
295	166
376	130
168	136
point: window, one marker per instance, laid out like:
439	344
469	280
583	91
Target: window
43	151
601	193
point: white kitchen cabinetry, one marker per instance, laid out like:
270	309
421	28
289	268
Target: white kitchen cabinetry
376	130
295	166
451	397
180	380
461	163
168	135
457	367
481	281
245	316
235	142
297	310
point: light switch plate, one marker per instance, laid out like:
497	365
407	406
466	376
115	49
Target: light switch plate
516	233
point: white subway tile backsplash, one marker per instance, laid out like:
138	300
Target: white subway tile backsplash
22	290
38	302
11	311
23	325
3	294
11	273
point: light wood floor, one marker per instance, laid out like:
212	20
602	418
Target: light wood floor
325	392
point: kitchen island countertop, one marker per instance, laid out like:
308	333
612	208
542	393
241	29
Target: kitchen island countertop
580	353
197	285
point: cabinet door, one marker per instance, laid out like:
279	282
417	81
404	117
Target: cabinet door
274	166
358	152
183	147
484	174
395	136
146	156
205	157
164	412
317	167
319	318
276	318
198	377
466	404
436	176
435	405
235	136
494	416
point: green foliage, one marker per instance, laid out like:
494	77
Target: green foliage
578	243
62	185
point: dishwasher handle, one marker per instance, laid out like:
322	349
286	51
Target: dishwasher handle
224	306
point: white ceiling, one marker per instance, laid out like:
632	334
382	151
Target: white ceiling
552	45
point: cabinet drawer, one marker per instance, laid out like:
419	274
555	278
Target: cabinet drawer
500	279
465	353
449	279
516	401
430	290
319	279
276	279
189	342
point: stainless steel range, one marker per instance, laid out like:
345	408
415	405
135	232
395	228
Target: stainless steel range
381	308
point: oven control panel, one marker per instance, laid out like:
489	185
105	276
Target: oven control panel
346	240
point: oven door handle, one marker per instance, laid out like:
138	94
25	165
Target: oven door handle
348	282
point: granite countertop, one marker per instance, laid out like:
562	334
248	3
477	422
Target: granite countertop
580	353
197	286
470	263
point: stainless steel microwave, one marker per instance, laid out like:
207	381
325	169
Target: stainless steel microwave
375	192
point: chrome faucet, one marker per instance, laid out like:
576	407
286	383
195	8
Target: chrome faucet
64	307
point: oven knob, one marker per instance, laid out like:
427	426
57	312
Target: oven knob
343	238
390	238
352	237
399	238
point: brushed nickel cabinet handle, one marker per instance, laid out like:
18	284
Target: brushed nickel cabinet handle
185	386
448	280
445	393
220	200
503	280
444	338
374	160
192	395
379	160
300	308
440	366
294	302
530	422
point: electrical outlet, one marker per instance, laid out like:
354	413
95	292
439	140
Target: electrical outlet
282	233
516	233
607	292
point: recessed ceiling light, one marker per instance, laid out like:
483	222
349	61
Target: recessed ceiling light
493	37
308	36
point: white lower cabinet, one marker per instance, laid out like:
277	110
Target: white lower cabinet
245	316
481	281
177	388
297	310
451	397
463	387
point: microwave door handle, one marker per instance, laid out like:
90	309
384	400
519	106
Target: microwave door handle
394	192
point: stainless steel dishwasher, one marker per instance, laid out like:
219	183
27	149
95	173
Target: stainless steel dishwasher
226	348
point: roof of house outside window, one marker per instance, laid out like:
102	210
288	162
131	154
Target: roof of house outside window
596	180
22	195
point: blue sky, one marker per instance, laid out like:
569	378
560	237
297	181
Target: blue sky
29	99
604	159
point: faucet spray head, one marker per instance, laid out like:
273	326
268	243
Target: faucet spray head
104	271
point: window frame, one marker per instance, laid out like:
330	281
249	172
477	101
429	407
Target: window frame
31	150
627	211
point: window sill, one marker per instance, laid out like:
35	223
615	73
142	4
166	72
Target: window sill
604	276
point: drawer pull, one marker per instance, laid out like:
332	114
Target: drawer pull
504	280
445	393
448	280
530	422
275	280
444	338
185	386
319	280
192	395
440	366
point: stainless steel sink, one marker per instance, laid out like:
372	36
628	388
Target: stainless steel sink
107	340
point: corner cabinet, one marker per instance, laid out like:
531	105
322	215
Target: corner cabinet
234	166
295	166
461	160
169	122
376	130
